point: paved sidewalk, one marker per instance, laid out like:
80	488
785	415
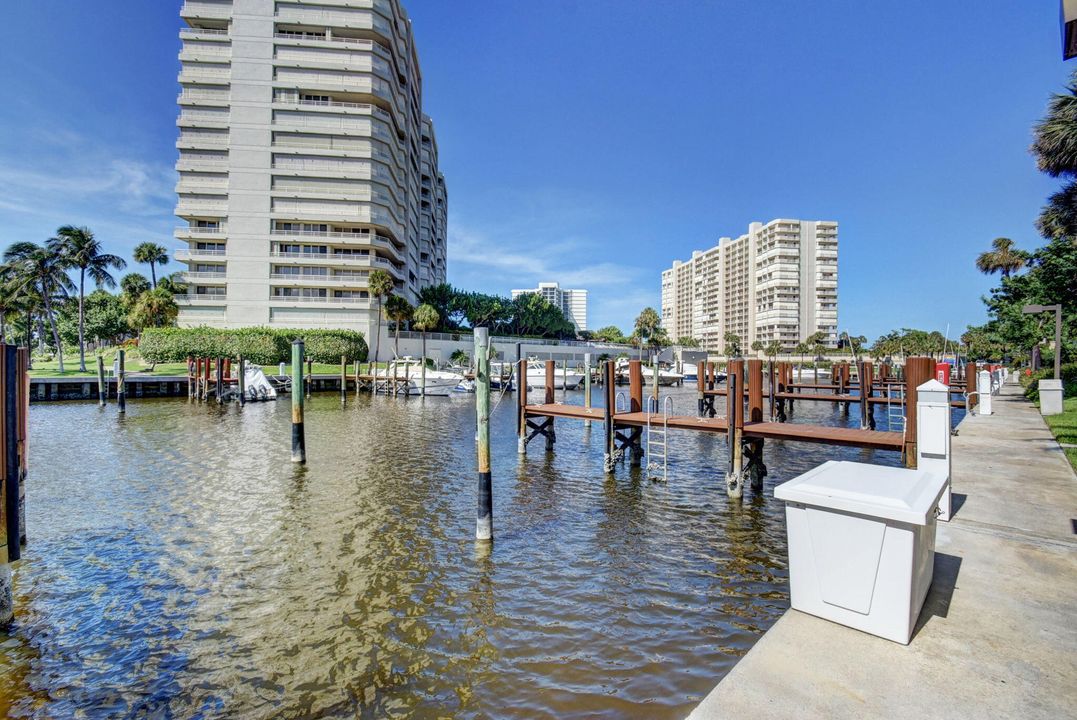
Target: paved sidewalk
998	634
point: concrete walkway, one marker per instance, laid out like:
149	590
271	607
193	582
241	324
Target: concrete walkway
998	634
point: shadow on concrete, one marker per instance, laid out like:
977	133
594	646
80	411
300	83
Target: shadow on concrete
957	500
937	603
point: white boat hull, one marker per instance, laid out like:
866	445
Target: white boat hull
537	379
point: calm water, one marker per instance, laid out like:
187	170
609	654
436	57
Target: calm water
180	566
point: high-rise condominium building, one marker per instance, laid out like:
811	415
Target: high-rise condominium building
573	303
305	162
777	282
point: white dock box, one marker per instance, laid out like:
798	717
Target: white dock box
862	544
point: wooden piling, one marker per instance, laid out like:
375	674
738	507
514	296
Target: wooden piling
521	403
218	380
241	380
635	392
310	376
755	391
609	390
587	385
299	442
205	378
867	391
344	380
701	386
102	388
918	370
550	399
735	425
121	391
484	525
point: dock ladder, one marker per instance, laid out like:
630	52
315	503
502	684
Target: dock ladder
657	438
895	411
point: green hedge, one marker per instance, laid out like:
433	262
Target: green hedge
1031	382
259	345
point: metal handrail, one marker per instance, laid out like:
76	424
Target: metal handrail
968	407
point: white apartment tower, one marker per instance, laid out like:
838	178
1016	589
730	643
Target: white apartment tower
305	162
573	303
777	282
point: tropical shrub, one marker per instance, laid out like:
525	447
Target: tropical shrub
1030	382
259	345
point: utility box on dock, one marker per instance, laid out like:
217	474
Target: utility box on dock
862	544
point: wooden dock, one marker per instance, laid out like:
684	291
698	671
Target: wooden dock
744	424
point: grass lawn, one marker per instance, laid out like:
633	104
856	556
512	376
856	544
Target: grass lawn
1064	427
132	364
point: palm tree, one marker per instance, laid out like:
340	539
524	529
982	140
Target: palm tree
381	286
1005	258
155	308
44	272
82	250
153	255
425	318
1055	143
399	311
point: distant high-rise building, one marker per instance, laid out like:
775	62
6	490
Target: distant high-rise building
777	282
305	162
573	303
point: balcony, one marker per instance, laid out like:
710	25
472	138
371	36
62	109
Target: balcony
205	118
194	33
210	278
189	254
321	300
200	299
196	163
204	77
204	97
184	232
344	238
213	11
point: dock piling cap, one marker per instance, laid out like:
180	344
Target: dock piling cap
933	391
908	496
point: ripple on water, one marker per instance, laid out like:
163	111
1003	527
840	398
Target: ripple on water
180	566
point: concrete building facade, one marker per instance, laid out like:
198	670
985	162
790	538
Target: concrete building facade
779	281
305	162
573	303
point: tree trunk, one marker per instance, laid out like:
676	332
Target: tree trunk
41	335
82	320
377	334
396	339
153	275
55	334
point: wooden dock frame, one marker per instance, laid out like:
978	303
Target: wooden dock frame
623	430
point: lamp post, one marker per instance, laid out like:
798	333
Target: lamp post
1035	310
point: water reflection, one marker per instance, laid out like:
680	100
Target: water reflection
180	565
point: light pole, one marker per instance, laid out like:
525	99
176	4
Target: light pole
1036	309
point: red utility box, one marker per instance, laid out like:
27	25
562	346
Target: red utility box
942	373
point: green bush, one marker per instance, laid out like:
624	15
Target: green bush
258	345
1031	382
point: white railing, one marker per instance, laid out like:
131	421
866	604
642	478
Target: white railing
188	230
305	299
200	297
202	275
195	96
204	139
369	237
194	32
206	10
318	257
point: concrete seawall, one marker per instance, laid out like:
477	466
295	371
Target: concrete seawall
997	637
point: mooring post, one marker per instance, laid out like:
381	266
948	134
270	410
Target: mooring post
121	391
587	385
205	379
970	382
918	370
608	393
521	404
218	378
310	375
484	520
710	376
701	384
867	392
343	380
564	379
12	412
550	382
635	392
734	415
299	441
102	388
241	380
9	535
757	470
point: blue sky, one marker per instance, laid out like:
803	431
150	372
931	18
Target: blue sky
594	142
